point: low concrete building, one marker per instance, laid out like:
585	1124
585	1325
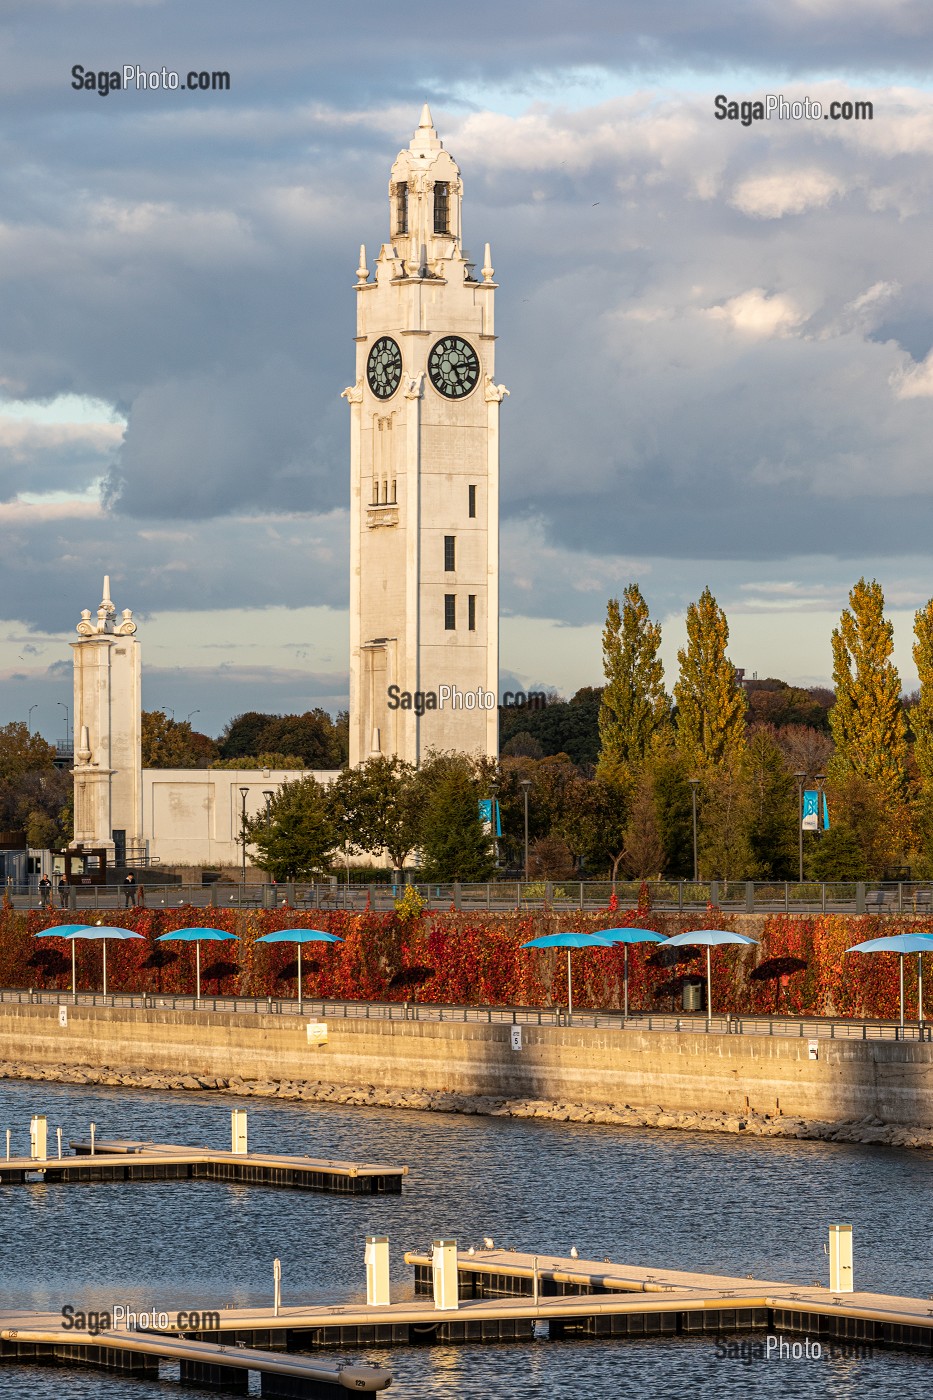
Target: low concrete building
194	816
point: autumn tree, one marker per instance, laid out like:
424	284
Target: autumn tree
921	715
710	702
634	702
867	720
169	743
35	796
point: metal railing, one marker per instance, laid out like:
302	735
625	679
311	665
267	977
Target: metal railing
802	1028
666	896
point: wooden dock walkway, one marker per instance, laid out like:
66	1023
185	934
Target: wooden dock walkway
40	1337
130	1160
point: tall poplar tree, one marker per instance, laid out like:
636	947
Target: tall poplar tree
634	703
921	716
710	702
867	720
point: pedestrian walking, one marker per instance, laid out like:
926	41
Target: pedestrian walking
129	891
45	892
64	893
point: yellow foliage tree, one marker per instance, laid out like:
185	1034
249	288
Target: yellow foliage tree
867	720
634	704
710	703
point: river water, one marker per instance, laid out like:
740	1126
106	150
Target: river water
708	1202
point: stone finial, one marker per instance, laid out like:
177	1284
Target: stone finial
85	627
426	119
127	626
488	270
83	754
362	272
353	393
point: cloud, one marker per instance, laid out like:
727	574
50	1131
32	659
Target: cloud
757	313
773	195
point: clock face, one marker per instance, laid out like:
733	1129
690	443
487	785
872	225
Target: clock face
384	367
453	367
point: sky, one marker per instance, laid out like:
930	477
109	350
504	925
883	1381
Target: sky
717	337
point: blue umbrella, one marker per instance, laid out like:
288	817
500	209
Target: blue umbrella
568	941
708	938
626	936
901	943
299	936
197	936
95	931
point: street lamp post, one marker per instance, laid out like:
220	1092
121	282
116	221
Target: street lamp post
493	791
820	779
29	718
801	779
190	713
525	786
244	793
694	784
63	706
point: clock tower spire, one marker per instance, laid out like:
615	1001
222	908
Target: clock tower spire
424	468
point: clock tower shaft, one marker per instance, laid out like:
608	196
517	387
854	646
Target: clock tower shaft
424	470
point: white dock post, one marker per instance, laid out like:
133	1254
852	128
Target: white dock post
277	1281
446	1284
840	1259
58	1134
93	1131
238	1131
377	1271
8	1144
38	1136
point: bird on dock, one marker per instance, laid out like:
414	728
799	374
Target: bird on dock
573	1252
471	1250
488	1242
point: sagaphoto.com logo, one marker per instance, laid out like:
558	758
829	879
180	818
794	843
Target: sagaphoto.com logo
451	697
777	1347
132	1319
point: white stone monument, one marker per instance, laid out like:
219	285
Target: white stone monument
107	728
424	466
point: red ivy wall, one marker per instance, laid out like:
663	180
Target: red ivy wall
475	959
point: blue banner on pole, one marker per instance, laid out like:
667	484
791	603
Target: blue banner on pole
485	816
810	821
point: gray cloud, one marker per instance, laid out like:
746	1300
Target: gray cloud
715	337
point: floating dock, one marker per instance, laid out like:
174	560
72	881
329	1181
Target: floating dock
39	1337
129	1160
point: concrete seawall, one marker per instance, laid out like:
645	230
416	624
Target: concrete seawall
683	1072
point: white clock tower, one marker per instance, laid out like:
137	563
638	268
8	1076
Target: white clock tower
424	471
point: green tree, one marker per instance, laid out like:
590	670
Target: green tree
673	802
297	835
453	841
634	702
559	726
773	815
167	743
378	807
867	720
710	702
594	822
725	824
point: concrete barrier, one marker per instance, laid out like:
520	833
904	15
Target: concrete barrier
849	1080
